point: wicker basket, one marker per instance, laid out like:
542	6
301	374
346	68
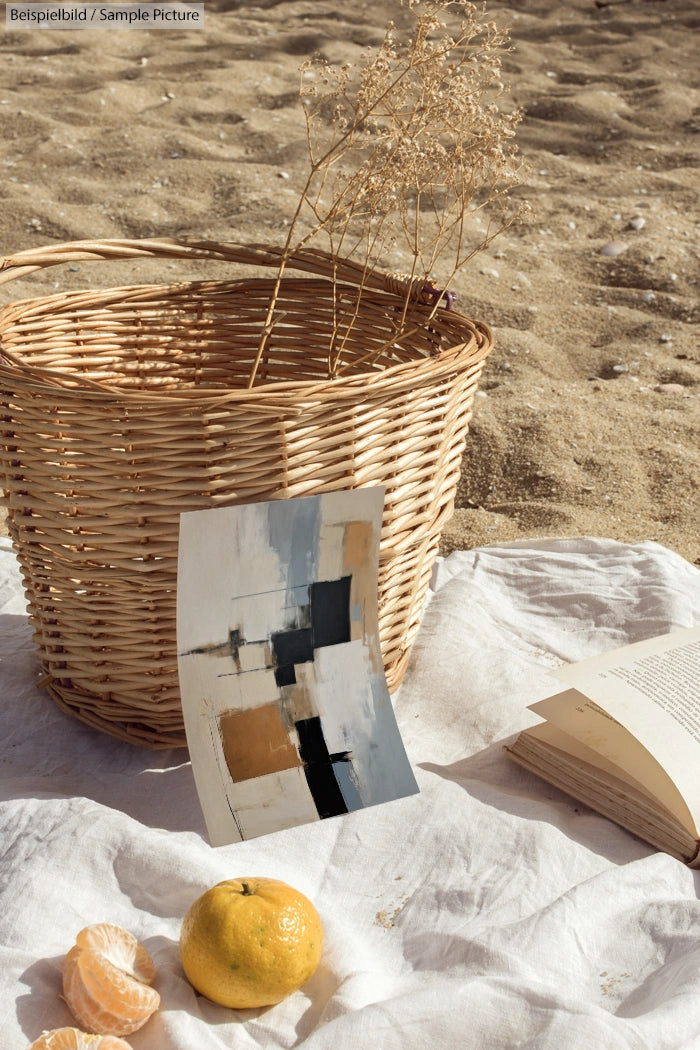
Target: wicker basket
123	407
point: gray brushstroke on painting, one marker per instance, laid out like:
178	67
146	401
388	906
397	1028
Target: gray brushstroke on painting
347	782
293	528
387	773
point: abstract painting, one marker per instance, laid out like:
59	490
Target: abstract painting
286	708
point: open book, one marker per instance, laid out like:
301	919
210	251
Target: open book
624	738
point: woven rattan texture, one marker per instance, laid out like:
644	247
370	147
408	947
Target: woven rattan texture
121	408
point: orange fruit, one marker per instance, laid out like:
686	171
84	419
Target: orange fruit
107	979
74	1039
250	942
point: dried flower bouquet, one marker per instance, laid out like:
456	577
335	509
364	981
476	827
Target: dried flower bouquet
404	149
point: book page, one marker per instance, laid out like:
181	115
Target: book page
552	736
590	731
653	689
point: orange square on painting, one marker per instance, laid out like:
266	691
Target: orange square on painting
256	741
358	543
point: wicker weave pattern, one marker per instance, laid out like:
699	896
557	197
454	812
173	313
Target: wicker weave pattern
123	407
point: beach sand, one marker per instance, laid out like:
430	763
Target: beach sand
587	421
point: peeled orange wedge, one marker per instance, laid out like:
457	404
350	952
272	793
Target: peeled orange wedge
74	1039
107	979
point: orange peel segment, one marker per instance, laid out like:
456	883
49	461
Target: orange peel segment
107	979
74	1039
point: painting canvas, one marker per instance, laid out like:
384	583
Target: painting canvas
286	708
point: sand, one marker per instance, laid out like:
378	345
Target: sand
588	417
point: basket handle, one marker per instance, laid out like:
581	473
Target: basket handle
310	260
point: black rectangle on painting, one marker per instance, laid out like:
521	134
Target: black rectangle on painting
290	648
318	769
235	643
330	611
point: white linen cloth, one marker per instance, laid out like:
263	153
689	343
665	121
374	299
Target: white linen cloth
488	911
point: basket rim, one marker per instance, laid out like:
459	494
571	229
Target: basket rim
446	362
469	352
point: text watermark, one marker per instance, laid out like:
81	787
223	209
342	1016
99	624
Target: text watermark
78	15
